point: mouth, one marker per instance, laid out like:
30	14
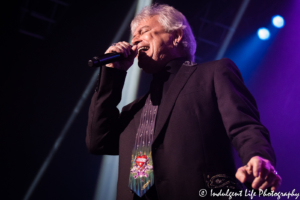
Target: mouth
143	49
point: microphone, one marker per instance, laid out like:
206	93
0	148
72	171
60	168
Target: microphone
98	61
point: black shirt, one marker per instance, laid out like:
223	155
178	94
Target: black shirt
162	80
158	89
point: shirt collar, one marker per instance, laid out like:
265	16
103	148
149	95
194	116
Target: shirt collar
172	66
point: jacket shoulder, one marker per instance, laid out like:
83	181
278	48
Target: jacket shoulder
218	66
224	62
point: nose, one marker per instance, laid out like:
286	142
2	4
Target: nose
135	40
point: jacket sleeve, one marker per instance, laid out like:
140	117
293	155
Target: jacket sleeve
240	114
102	135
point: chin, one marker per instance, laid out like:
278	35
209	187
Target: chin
149	65
146	63
146	68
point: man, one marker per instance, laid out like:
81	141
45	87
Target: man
177	139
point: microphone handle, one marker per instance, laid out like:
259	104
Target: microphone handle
98	61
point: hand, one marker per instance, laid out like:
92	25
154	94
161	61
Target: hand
128	52
260	173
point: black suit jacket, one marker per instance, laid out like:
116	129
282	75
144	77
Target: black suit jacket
206	110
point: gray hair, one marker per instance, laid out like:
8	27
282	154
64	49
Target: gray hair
172	20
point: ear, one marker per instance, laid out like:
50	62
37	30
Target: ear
177	37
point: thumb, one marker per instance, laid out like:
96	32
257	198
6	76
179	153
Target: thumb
133	53
134	50
241	174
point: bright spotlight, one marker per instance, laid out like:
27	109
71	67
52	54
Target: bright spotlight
263	33
278	21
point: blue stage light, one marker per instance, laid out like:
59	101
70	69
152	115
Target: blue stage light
263	33
278	21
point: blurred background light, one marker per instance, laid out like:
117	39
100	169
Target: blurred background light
263	33
278	21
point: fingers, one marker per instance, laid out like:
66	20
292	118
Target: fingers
134	50
276	184
241	174
264	174
249	168
113	49
123	49
120	47
273	180
255	164
258	181
126	47
268	182
259	167
266	169
129	52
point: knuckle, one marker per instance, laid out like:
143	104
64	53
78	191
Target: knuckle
118	50
256	158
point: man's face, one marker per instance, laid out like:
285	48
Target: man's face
155	45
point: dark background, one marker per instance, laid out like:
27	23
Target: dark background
42	80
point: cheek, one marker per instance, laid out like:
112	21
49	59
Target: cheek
159	45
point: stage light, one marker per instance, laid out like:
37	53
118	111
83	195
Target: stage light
263	33
278	21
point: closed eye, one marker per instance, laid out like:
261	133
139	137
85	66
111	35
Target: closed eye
144	31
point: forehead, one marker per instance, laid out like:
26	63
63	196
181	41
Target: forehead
148	22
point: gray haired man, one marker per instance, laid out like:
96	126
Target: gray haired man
177	139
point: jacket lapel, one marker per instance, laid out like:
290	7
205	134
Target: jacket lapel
167	104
